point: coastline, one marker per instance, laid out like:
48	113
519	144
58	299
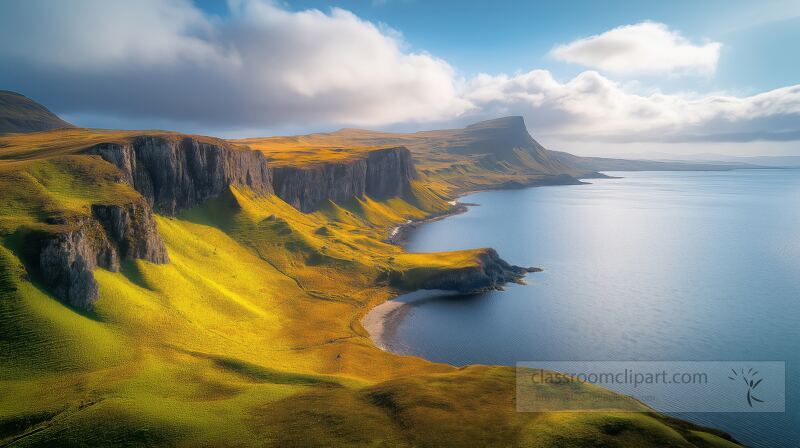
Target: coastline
382	321
399	234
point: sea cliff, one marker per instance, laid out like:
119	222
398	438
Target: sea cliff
380	174
176	173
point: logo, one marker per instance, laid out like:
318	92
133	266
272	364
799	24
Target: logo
751	381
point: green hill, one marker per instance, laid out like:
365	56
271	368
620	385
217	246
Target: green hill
21	114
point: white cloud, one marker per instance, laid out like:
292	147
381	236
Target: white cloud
165	63
593	107
643	48
263	65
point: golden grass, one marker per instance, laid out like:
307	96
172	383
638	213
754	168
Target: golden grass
250	336
69	141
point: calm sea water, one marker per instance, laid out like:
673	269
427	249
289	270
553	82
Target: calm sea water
653	266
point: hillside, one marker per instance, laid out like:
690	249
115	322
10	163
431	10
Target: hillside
497	153
21	114
491	154
166	289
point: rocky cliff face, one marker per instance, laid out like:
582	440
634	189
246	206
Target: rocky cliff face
178	173
171	173
382	174
113	233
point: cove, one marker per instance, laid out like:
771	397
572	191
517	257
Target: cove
650	266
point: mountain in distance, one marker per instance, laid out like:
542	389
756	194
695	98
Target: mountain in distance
776	161
613	164
498	153
19	114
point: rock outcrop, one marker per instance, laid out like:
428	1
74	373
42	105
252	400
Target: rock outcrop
113	233
491	272
381	174
175	173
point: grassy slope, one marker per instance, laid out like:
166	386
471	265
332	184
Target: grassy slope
451	161
20	114
250	336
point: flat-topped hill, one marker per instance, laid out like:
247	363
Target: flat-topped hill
488	154
503	139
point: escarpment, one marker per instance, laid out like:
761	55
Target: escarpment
113	233
176	173
381	174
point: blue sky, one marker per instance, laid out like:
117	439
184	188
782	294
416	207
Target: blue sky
590	77
510	36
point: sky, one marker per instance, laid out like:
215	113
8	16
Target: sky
590	77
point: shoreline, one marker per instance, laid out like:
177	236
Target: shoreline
382	320
399	234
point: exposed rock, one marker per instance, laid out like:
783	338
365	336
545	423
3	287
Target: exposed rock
382	174
66	262
132	229
67	257
176	173
389	173
491	272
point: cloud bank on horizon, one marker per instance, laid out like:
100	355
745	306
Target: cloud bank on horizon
264	65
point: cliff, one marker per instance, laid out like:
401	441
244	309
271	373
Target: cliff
380	174
177	172
171	173
487	273
112	233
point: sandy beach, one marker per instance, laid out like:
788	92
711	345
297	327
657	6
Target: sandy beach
382	321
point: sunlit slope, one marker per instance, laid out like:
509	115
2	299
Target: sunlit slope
489	154
72	141
219	348
250	335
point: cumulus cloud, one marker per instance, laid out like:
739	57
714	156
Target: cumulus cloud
166	63
262	65
593	107
643	48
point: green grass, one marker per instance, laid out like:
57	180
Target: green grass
250	335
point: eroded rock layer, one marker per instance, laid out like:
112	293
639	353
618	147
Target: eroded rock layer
382	174
113	233
175	173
